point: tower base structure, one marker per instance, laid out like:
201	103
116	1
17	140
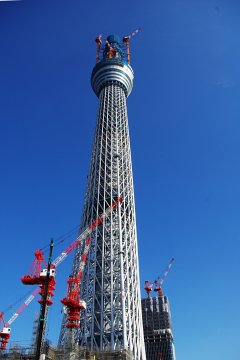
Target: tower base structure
17	352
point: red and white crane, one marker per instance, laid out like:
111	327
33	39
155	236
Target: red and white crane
72	301
148	287
159	282
4	333
126	41
99	43
36	275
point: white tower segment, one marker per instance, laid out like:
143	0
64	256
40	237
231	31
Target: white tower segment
110	284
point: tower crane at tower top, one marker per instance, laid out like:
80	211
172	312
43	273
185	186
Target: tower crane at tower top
126	41
160	280
113	47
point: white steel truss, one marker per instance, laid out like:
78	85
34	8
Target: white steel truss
110	284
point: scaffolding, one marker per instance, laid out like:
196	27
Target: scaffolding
27	352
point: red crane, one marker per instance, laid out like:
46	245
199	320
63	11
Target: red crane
33	275
112	51
126	41
158	283
4	333
148	287
99	43
72	301
36	276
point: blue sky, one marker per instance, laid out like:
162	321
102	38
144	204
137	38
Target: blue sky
184	126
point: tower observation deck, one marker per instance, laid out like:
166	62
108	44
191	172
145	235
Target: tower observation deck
110	285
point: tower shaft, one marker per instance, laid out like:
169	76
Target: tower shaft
110	283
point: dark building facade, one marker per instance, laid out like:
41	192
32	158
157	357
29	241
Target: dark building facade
157	329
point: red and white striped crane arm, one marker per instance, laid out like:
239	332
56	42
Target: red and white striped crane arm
162	279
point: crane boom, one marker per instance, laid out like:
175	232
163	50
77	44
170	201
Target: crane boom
158	284
126	41
134	33
162	279
23	306
85	233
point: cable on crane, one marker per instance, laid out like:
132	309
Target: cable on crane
60	239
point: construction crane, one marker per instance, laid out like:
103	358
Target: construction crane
159	282
112	51
35	276
126	41
148	287
99	43
72	301
4	333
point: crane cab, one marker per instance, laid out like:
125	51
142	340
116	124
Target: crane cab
5	330
4	337
43	273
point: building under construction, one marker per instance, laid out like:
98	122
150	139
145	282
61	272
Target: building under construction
157	328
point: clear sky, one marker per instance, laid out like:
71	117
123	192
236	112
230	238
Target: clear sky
184	116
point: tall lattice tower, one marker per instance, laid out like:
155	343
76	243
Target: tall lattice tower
110	283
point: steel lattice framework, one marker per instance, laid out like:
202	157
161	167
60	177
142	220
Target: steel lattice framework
110	284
